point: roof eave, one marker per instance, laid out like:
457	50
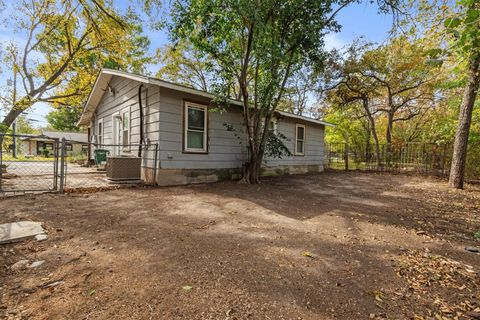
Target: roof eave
106	74
306	119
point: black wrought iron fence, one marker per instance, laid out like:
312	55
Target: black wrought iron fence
424	158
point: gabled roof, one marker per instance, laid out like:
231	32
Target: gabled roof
101	85
71	136
104	77
304	118
54	135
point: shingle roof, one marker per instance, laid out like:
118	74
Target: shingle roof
106	74
71	136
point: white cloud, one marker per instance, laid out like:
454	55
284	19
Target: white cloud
334	41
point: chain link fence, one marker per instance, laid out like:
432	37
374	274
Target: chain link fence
423	158
110	165
28	164
36	163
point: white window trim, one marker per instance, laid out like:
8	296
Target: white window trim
127	145
304	139
100	136
275	125
205	127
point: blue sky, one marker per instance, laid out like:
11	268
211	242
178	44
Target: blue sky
356	21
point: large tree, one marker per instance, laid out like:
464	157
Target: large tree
404	79
301	92
64	43
393	82
183	64
456	28
257	45
464	25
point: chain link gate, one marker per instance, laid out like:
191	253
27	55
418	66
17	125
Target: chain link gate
28	164
125	164
36	163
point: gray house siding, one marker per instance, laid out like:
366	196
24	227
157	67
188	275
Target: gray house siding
224	149
164	124
314	142
125	96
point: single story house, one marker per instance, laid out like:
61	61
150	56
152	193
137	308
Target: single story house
196	143
36	145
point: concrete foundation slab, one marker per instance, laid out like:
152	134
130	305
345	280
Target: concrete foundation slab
18	231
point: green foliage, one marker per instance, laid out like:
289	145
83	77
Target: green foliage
183	64
24	126
275	146
463	26
67	43
385	91
64	118
477	234
45	152
255	47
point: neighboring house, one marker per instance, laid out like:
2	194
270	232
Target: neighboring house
196	144
77	143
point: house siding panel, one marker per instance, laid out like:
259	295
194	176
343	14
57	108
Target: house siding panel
224	150
163	124
126	96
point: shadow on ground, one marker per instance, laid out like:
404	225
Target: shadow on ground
310	247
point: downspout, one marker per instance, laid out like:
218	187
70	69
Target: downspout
141	119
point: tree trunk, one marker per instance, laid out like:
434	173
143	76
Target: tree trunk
368	146
253	167
9	119
388	137
459	158
377	147
20	106
374	131
251	172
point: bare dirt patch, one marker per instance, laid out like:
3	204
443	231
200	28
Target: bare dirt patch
328	246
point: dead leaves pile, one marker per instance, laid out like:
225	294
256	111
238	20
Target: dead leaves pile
450	288
87	190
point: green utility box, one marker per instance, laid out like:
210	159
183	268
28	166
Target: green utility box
100	155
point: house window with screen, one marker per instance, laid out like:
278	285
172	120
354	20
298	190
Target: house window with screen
68	147
126	127
300	140
195	135
272	126
100	132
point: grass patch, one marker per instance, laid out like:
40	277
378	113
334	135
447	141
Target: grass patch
477	235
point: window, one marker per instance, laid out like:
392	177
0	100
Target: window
84	148
100	132
44	147
272	126
300	140
126	127
68	147
195	135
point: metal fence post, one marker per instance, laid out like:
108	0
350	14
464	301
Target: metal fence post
62	165
55	164
1	161
155	164
444	156
346	151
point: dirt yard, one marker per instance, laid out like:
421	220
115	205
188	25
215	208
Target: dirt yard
328	246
